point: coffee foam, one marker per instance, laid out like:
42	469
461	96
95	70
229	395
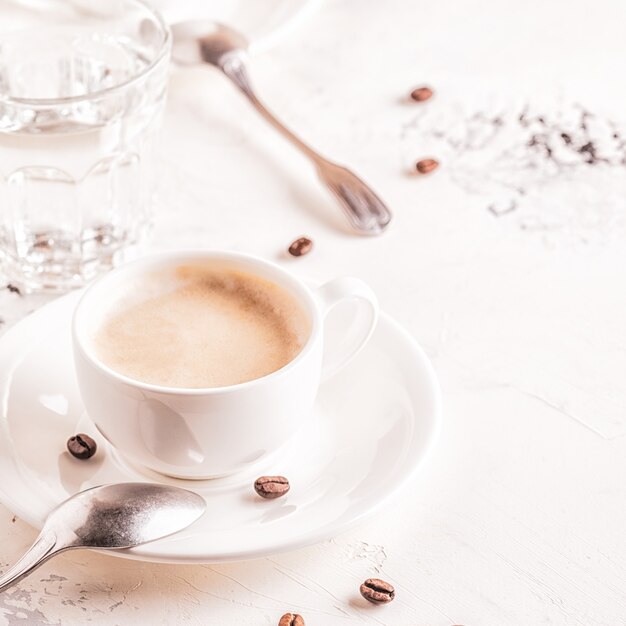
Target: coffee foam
202	325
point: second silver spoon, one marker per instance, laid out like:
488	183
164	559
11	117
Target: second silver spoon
202	41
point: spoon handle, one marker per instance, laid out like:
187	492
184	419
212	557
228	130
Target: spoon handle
364	209
45	546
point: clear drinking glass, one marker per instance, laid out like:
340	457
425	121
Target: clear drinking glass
82	90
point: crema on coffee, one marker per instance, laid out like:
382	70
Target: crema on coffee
210	326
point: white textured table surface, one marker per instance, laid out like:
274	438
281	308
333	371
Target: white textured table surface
507	264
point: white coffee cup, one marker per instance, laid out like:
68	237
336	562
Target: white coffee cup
203	433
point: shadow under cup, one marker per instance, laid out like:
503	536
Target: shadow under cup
191	432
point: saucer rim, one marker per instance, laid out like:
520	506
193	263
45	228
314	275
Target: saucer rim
143	552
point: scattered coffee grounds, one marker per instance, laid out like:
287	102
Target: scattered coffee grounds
13	289
301	246
421	94
552	168
377	591
426	166
81	446
271	487
291	619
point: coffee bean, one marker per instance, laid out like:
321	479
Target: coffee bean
426	166
81	446
271	486
291	619
301	246
421	94
377	591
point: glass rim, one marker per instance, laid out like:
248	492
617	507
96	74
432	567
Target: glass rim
162	52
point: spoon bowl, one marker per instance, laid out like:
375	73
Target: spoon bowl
108	517
204	41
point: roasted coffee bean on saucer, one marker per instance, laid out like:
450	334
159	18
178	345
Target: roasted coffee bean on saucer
81	446
377	591
291	619
271	487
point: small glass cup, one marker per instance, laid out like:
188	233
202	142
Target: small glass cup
82	91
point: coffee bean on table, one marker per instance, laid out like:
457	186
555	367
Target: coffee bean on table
81	446
301	246
421	94
271	486
291	619
377	591
426	166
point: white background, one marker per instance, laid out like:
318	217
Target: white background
519	517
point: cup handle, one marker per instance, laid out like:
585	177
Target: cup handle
339	351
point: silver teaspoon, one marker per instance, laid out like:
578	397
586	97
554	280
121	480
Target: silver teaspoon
203	41
123	515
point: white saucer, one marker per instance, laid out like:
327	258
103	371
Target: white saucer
372	427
